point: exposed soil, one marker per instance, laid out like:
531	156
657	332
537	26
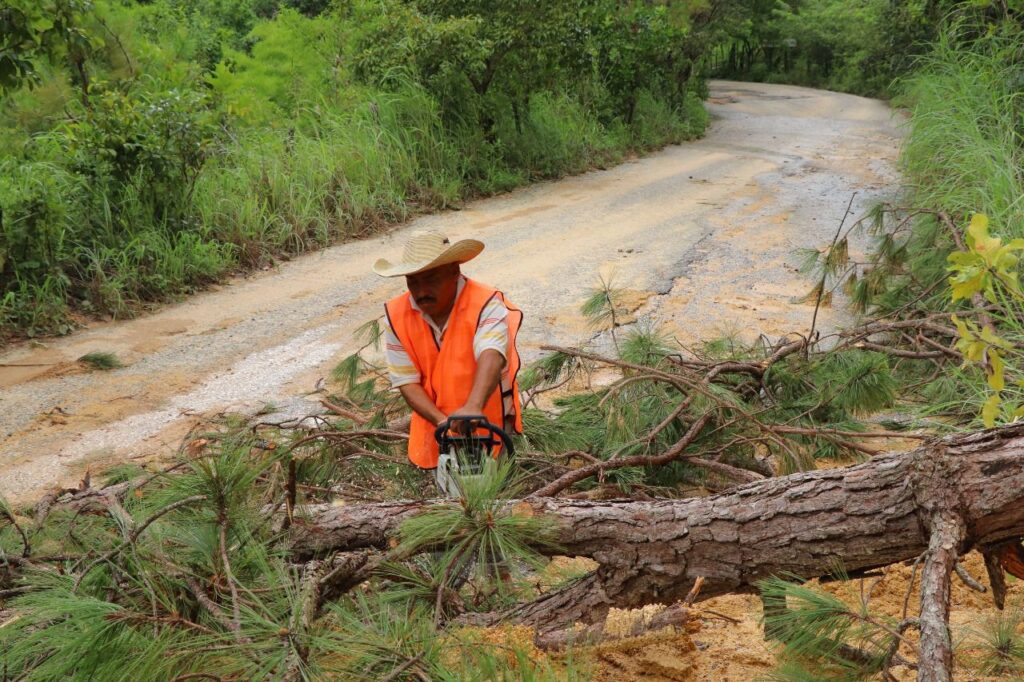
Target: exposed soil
725	641
703	236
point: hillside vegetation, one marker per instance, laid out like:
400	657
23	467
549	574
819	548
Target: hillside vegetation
150	148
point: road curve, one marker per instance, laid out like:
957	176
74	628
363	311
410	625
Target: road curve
702	236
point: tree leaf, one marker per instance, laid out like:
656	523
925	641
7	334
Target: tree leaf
990	410
997	375
41	23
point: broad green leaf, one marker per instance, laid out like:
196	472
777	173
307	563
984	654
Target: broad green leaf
963	258
41	23
961	326
977	234
965	287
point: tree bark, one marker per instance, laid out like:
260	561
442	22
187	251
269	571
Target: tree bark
943	497
936	664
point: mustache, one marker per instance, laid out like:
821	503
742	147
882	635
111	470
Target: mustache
426	299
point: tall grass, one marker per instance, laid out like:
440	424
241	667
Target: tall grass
963	155
335	173
965	149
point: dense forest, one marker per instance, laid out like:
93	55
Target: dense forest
152	148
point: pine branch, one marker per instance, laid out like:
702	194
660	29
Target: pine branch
133	536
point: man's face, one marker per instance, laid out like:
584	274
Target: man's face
434	289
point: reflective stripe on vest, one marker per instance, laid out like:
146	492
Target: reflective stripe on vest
447	371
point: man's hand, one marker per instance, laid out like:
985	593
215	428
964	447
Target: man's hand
467	410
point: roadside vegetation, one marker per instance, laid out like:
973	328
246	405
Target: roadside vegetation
150	148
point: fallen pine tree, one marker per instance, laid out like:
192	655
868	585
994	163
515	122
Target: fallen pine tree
939	500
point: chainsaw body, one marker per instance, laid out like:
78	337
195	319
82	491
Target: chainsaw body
467	445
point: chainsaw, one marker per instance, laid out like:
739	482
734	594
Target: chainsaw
467	446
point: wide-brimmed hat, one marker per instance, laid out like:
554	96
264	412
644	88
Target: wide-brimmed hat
426	249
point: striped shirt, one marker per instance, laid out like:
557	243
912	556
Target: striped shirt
491	333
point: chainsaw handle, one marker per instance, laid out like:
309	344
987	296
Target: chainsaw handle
473	422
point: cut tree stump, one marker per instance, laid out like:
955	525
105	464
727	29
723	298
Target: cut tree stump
940	499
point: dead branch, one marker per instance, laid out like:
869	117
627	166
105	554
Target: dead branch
968	579
936	661
673	453
342	412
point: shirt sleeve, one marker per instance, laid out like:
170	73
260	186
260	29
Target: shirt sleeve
401	370
492	331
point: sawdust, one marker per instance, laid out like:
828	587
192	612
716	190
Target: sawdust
725	642
968	609
664	656
620	622
731	652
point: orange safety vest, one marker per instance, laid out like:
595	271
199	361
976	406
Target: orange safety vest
447	371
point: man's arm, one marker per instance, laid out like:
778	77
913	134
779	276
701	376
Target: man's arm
421	403
406	379
485	381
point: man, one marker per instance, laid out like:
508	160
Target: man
450	342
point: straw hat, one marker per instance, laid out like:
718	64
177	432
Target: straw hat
426	249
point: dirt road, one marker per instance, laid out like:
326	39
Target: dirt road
703	235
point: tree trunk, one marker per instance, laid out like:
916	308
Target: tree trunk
941	499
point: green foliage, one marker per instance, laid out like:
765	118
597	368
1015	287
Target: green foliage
642	48
480	530
196	138
266	84
860	47
99	216
160	142
35	33
603	307
101	360
962	157
964	144
642	414
856	382
385	640
822	633
1002	648
989	269
189	575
